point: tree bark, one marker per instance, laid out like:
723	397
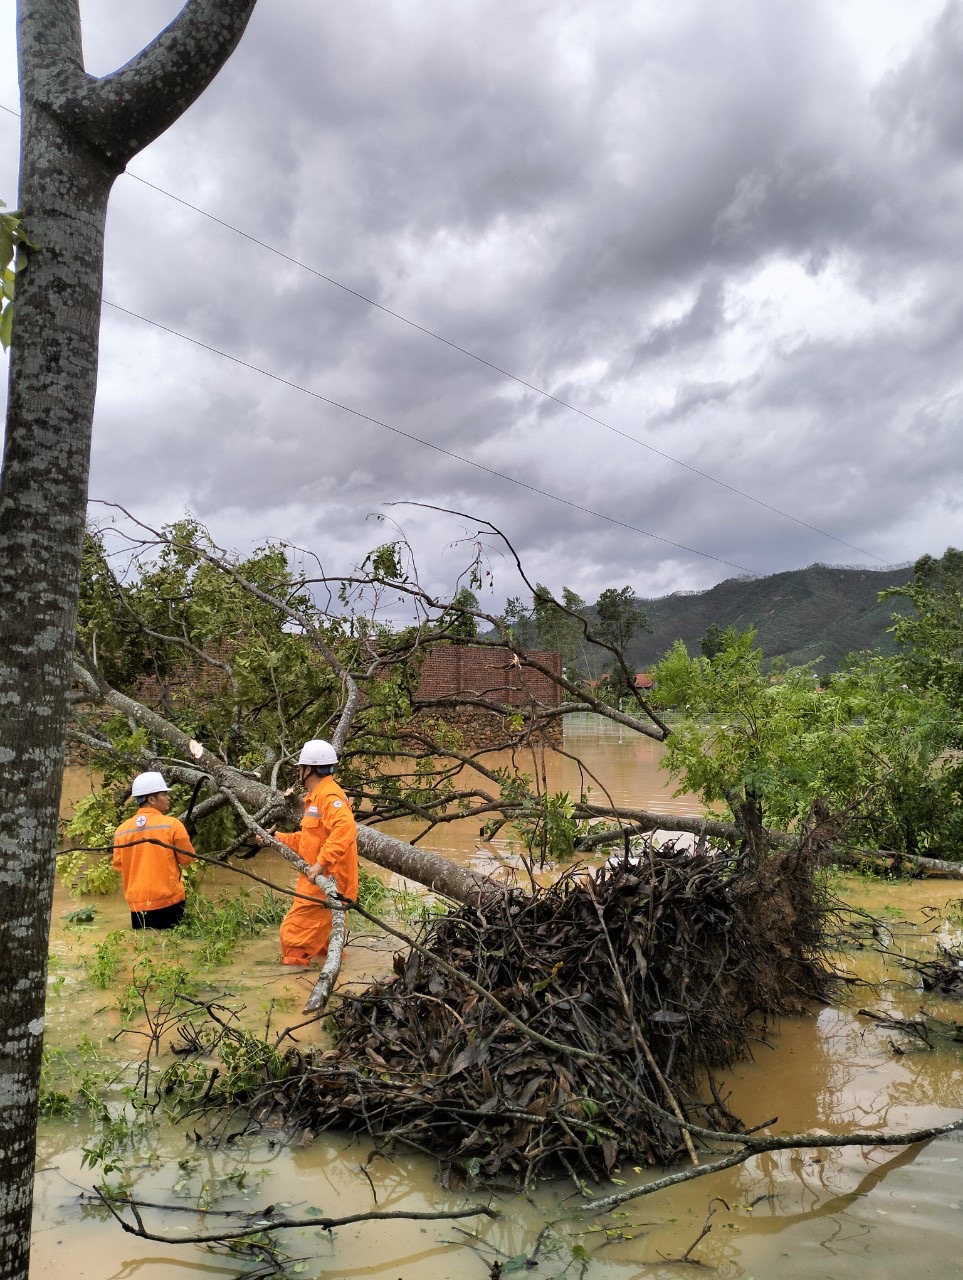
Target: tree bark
435	872
640	821
77	134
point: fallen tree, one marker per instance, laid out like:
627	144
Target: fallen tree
566	1030
357	679
525	1032
634	823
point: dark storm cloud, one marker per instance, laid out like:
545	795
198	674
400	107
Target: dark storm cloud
700	323
921	100
725	232
697	395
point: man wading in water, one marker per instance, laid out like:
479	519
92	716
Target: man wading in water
328	842
149	850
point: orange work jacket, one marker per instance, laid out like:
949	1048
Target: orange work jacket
149	850
328	835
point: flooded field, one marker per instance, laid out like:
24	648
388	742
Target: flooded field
830	1213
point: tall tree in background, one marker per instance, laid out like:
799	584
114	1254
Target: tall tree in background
561	628
714	641
459	621
931	639
518	618
619	618
78	132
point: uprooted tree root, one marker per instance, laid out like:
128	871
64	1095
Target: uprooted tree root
614	998
943	976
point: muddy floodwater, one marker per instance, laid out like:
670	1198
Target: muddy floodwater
853	1212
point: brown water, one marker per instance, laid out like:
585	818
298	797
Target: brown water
613	765
835	1214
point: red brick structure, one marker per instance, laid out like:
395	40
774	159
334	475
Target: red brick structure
455	675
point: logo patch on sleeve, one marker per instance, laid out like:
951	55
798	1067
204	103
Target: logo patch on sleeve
140	820
336	805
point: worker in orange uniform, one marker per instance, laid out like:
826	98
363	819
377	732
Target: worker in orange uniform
328	842
149	850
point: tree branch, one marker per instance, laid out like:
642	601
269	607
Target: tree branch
132	106
753	1146
432	870
51	52
268	1222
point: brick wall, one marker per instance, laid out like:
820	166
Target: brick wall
482	671
482	730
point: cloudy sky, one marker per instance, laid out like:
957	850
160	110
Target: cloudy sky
724	239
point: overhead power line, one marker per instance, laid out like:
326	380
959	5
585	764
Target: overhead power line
428	444
471	355
505	373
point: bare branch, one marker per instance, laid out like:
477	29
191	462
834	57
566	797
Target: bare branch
753	1146
270	1222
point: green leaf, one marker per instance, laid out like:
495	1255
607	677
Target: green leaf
518	1263
6	327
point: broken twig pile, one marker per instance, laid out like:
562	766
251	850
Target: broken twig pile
612	999
943	976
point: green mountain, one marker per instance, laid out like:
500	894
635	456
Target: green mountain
816	615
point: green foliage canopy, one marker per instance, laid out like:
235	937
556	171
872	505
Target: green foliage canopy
931	638
869	747
740	739
220	662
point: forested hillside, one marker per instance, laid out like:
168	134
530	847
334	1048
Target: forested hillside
817	614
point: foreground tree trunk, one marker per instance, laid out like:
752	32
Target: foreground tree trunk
78	133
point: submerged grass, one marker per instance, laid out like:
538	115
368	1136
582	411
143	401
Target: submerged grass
71	1077
102	967
221	924
152	980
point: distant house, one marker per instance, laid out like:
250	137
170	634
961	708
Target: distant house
643	681
472	686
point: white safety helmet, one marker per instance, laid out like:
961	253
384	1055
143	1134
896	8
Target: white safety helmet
318	752
148	784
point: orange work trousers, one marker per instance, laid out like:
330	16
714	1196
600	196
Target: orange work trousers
306	928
